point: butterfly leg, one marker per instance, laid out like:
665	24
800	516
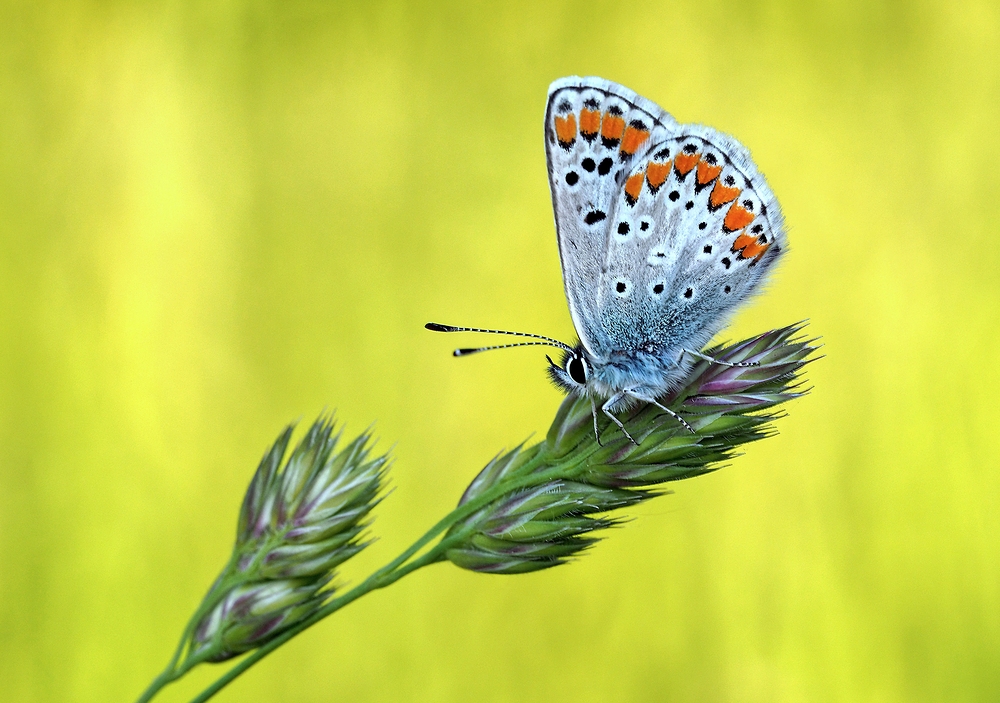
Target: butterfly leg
718	361
597	432
664	408
606	408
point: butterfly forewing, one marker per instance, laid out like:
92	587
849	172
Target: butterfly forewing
594	132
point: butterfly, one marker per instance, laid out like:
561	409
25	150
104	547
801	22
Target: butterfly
663	228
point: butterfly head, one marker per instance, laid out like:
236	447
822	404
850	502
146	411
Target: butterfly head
574	373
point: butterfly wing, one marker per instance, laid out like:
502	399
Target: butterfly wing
593	131
693	230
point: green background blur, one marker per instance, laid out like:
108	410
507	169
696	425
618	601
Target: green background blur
216	218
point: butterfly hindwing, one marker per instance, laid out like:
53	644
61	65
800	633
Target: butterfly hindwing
594	130
693	230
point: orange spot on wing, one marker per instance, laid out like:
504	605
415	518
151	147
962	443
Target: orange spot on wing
633	187
685	162
737	218
566	129
755	250
633	139
656	174
742	241
707	172
590	122
722	195
612	126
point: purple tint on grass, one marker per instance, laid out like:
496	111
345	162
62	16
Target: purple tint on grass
726	383
266	628
729	401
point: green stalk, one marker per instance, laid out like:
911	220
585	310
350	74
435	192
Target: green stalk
380	579
171	673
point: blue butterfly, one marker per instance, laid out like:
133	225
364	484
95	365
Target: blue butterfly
663	230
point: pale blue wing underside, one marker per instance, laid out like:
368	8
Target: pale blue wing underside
711	234
690	228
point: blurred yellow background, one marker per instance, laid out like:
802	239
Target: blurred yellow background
218	217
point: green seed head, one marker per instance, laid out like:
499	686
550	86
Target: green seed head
298	522
561	489
251	614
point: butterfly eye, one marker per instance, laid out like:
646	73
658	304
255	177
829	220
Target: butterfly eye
577	369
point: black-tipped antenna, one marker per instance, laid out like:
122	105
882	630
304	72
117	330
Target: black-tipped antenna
437	327
548	341
476	350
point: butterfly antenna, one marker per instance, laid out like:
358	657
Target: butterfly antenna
546	341
475	350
